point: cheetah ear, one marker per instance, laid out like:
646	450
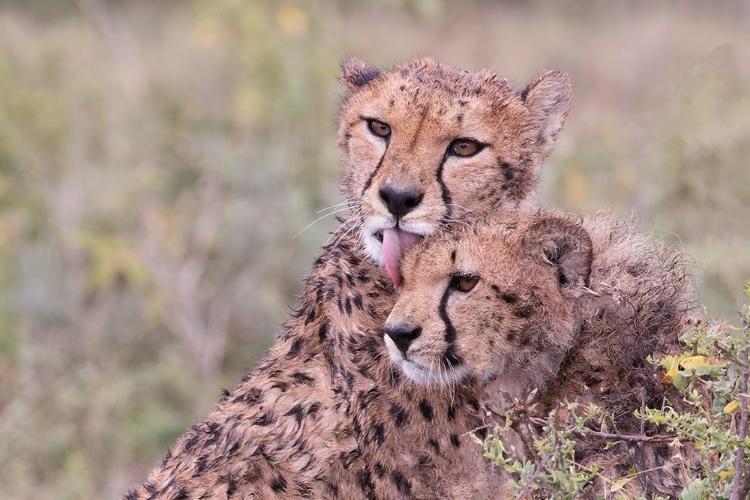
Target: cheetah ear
549	98
567	246
355	73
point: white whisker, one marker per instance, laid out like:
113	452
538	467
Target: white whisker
347	203
321	218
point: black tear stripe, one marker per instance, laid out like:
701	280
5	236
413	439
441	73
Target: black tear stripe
445	193
377	167
450	358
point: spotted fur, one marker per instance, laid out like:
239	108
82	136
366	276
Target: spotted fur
561	309
325	414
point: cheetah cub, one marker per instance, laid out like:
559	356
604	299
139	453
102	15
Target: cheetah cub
545	305
498	301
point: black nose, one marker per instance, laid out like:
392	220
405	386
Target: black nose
403	335
400	201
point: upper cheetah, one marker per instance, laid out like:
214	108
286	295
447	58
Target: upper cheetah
325	414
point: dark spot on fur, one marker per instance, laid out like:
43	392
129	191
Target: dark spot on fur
265	419
348	306
379	470
379	434
451	412
508	173
313	409
253	474
496	288
435	445
474	403
426	410
509	298
189	443
451	359
350	279
399	414
231	488
302	378
357	301
511	335
363	277
463	103
402	87
365	481
296	346
323	331
310	317
455	441
296	411
278	484
280	385
453	257
401	483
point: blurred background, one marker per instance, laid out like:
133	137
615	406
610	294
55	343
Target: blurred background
157	160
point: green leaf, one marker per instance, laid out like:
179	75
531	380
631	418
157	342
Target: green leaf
695	491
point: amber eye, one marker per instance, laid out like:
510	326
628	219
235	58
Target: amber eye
379	128
465	147
464	283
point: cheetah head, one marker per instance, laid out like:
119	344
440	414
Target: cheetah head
425	145
494	301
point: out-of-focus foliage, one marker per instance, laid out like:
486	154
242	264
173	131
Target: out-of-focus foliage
157	160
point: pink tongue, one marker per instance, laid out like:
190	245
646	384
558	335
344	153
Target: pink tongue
395	244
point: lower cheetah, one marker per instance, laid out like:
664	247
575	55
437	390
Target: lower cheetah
542	304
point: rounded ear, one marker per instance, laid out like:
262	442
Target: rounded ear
355	73
564	244
549	98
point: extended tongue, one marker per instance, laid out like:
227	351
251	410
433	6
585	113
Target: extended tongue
395	244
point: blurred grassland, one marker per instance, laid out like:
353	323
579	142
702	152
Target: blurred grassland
157	160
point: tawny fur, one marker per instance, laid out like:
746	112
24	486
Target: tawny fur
428	105
326	415
566	310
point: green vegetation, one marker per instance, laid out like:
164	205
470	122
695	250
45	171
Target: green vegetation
711	377
157	160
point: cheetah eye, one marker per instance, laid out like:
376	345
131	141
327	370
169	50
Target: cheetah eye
464	283
465	147
379	128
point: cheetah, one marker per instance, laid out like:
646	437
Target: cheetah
325	414
541	304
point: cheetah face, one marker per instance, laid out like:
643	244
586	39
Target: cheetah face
425	146
495	301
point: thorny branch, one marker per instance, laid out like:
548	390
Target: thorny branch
636	438
731	356
533	476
